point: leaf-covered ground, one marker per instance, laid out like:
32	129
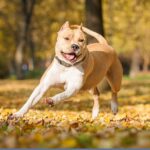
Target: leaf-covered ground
69	123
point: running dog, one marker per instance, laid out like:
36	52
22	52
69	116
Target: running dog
78	66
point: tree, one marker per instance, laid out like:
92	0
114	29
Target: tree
94	16
27	7
127	31
94	21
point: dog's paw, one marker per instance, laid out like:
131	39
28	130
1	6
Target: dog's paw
15	115
48	101
114	107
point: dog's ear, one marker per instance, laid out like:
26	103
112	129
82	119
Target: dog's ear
65	25
81	25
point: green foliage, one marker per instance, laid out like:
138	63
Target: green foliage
37	73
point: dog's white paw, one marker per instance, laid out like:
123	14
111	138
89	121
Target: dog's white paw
95	113
114	107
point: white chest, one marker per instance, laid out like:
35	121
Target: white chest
61	75
71	74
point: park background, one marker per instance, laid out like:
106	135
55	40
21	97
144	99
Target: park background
28	31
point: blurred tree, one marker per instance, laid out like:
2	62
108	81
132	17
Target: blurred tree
27	7
8	36
144	26
127	30
94	21
126	26
141	33
94	16
136	56
111	19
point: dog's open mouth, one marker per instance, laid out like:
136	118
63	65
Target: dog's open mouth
70	56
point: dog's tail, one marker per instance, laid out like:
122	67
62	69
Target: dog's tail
97	36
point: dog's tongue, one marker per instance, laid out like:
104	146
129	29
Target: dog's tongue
70	56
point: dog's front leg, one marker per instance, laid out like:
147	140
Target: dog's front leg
70	90
33	99
95	110
64	95
38	92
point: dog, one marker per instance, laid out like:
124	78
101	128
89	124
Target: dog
78	66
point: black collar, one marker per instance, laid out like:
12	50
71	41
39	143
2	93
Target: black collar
67	64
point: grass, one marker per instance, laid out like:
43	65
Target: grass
69	124
140	76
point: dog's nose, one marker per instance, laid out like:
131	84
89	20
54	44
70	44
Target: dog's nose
74	47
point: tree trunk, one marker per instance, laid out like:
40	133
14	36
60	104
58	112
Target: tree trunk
27	12
111	19
135	65
146	63
19	57
31	60
94	17
94	21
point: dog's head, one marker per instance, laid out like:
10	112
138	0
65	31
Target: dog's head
71	44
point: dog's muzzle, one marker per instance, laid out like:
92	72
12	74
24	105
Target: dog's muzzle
75	47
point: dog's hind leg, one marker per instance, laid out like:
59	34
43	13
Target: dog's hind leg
114	103
95	109
114	78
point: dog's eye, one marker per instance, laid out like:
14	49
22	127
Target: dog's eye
81	40
66	38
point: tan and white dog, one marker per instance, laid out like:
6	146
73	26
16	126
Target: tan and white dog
78	66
